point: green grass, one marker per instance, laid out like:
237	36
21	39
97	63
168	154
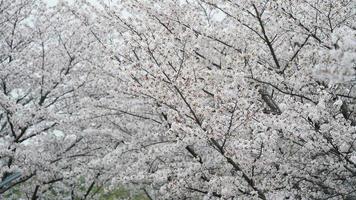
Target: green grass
122	193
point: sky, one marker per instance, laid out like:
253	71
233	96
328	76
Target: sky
51	2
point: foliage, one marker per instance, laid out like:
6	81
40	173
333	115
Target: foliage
185	99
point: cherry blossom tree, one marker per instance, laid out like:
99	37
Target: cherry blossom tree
251	99
185	99
48	69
